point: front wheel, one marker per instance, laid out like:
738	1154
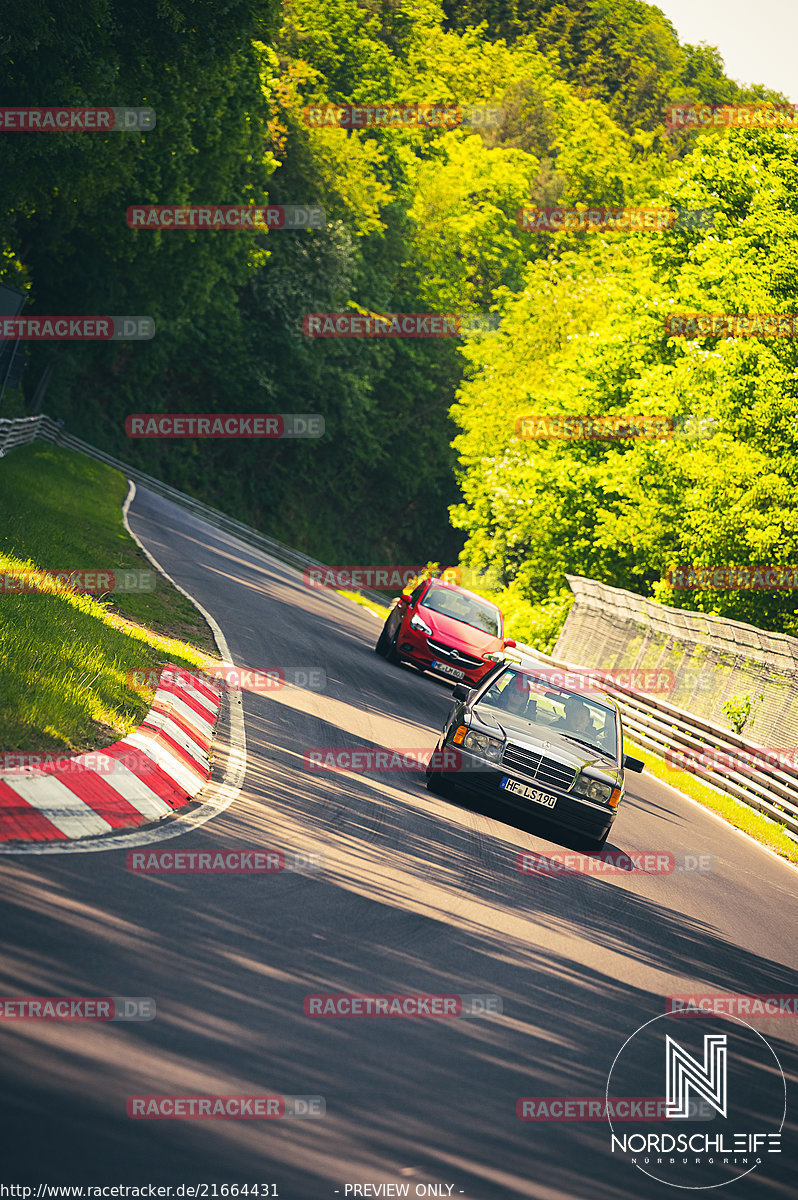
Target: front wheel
392	654
437	784
594	843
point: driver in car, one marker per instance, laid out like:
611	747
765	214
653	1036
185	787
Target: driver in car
513	699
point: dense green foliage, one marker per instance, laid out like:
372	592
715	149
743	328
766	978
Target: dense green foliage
418	220
587	336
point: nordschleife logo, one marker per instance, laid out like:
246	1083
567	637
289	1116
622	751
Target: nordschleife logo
684	1074
732	1072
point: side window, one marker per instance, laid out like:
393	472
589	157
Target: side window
491	695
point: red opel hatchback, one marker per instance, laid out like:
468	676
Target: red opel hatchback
443	628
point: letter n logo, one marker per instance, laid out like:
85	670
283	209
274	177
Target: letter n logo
684	1072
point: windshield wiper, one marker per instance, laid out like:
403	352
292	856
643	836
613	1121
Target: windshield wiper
590	745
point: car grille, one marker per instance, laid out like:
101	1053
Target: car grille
536	766
457	657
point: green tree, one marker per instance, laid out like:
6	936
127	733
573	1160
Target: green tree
580	339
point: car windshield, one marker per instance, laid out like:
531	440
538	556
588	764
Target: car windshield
521	693
468	609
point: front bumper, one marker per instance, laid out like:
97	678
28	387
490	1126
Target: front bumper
474	776
413	647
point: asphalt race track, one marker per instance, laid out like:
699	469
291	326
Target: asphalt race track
413	895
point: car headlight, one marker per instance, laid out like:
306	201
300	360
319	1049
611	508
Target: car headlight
494	656
593	789
487	747
419	625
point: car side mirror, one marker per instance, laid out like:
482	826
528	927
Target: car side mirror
632	764
508	642
461	691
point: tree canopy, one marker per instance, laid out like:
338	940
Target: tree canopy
420	458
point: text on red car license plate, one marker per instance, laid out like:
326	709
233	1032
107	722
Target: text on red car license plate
447	670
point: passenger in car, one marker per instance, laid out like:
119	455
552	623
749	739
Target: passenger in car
577	717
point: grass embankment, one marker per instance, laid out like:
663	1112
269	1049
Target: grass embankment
66	659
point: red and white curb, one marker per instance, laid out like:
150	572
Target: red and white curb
140	779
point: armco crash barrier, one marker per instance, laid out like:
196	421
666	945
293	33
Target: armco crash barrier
139	779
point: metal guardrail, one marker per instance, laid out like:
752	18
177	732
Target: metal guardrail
19	431
750	775
668	731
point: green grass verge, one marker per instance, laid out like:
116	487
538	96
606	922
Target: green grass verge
66	681
63	511
734	811
379	609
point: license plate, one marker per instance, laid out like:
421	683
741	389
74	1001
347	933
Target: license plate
445	669
528	793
